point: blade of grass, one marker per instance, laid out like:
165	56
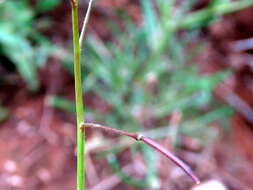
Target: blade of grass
202	17
61	103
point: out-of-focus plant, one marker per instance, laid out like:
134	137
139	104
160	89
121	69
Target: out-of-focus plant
81	126
4	113
20	41
212	12
46	5
148	75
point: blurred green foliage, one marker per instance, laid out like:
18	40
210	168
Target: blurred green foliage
4	113
212	12
145	76
20	40
46	5
148	73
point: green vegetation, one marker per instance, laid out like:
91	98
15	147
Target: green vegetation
145	77
20	40
4	113
149	75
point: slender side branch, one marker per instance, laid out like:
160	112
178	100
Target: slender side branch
85	22
149	142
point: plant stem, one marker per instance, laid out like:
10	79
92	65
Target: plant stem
85	22
150	142
79	100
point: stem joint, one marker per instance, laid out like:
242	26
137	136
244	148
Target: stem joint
74	3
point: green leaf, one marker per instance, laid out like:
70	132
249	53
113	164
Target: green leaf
46	5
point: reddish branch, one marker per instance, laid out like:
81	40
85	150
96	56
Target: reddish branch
150	143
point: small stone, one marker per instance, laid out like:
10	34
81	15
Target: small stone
15	181
44	175
210	185
10	166
24	128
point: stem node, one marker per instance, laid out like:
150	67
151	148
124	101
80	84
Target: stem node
82	126
74	3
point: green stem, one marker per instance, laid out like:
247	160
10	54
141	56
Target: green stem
79	100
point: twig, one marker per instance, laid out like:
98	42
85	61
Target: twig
237	102
242	45
85	22
149	142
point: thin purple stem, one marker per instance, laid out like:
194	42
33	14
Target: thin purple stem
150	143
171	156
